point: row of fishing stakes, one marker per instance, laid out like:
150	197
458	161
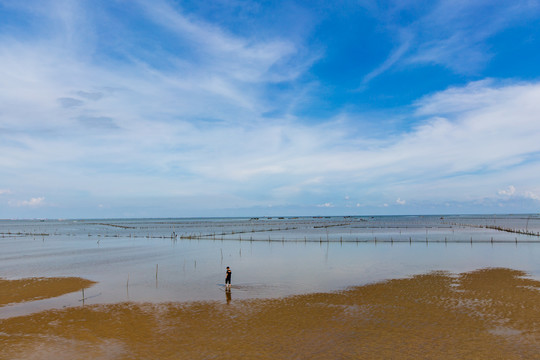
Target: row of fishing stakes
374	240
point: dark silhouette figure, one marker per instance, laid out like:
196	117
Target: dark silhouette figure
228	278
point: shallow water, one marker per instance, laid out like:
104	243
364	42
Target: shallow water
162	260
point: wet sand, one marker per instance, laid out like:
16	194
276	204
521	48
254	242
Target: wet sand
23	290
485	314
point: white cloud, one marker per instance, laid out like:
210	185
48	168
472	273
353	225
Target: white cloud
531	195
512	192
33	202
400	202
326	205
508	192
283	158
5	191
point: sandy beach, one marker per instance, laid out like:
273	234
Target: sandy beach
484	314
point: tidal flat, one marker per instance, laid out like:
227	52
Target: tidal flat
484	314
337	287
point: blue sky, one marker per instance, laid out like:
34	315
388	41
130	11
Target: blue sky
169	108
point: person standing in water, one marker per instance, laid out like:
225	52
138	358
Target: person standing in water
228	278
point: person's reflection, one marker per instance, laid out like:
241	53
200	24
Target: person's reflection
228	295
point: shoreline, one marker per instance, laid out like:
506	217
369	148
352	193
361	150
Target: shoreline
486	313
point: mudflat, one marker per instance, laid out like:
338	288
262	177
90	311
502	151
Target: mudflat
22	290
484	314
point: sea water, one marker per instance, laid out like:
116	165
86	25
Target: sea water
161	260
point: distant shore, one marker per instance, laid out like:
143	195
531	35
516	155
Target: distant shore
484	314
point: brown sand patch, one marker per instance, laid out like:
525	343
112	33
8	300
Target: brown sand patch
486	314
22	290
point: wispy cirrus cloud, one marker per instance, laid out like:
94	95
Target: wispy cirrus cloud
448	33
246	60
127	115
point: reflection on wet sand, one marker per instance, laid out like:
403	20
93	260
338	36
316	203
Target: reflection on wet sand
228	295
485	314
